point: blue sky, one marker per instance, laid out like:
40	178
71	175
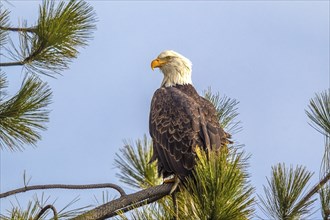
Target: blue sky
272	56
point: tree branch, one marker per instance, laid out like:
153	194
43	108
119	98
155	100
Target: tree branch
17	63
31	29
44	209
63	186
126	203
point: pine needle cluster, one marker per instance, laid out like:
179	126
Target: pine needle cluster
134	166
4	21
219	188
37	209
22	115
226	110
319	112
60	31
284	193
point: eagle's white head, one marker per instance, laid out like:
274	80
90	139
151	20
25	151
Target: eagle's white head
175	67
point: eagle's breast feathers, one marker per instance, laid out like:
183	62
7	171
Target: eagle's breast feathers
181	120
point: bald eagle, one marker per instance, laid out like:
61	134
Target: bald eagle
180	119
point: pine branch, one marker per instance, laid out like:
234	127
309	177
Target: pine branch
19	29
50	46
126	203
222	189
18	63
29	213
24	114
314	190
44	209
284	192
64	186
38	209
319	112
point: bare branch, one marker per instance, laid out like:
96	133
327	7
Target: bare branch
17	63
127	202
63	186
31	29
44	209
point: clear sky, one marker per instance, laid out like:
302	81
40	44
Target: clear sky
272	56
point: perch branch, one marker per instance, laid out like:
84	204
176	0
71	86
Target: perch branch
126	203
63	186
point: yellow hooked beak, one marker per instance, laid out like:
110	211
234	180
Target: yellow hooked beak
157	63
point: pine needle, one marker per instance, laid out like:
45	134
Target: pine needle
4	21
219	190
226	110
134	166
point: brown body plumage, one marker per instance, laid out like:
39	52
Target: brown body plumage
180	120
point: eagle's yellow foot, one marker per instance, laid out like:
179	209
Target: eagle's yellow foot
175	180
171	180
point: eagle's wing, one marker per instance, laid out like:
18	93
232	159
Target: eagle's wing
179	123
214	136
174	128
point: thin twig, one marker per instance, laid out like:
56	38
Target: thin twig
31	29
63	186
17	63
126	203
44	209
